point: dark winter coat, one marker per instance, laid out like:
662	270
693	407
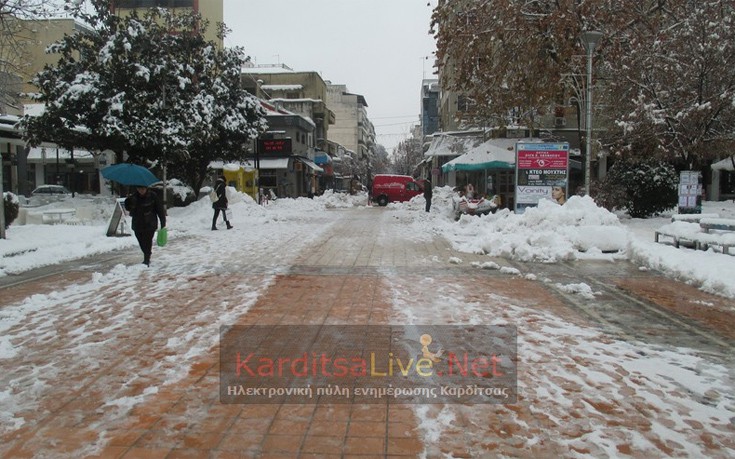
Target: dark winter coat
427	189
221	189
146	210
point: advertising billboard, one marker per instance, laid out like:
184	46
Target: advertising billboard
542	172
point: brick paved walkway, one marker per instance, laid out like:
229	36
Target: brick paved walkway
364	270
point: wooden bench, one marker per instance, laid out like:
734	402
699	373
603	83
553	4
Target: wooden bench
692	218
676	239
719	224
723	226
709	232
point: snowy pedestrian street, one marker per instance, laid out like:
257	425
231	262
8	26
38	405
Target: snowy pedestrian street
103	357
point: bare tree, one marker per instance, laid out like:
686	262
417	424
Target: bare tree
15	35
406	156
664	72
673	83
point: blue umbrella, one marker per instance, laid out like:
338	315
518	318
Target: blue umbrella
129	174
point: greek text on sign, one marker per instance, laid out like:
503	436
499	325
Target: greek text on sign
542	159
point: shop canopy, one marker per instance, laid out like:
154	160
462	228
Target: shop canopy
310	164
484	156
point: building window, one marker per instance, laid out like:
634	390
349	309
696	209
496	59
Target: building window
463	104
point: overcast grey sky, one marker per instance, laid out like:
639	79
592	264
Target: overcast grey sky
375	47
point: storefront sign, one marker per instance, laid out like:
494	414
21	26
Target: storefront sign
268	147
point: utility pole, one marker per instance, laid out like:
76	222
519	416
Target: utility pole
165	200
589	39
2	195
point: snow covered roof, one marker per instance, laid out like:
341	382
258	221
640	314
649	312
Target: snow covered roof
268	69
451	145
282	87
7	123
484	156
309	163
273	110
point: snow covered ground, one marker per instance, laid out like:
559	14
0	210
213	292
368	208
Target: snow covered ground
272	236
549	233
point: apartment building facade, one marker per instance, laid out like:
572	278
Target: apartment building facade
430	120
352	128
211	11
304	93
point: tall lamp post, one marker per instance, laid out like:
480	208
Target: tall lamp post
589	40
2	198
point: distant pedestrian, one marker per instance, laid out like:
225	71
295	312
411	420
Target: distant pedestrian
220	205
146	209
470	191
428	192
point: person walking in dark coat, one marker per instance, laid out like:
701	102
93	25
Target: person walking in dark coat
427	194
220	205
146	209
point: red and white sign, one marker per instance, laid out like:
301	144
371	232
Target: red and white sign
528	159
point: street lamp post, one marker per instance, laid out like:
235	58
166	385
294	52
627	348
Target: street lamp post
2	198
589	40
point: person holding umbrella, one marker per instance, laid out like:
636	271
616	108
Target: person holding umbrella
146	209
144	205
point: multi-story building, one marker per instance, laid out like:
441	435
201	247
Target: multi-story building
304	93
25	168
429	106
35	36
211	11
31	166
298	120
352	128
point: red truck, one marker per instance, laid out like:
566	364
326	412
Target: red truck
395	188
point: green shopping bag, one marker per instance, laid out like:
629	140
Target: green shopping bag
162	238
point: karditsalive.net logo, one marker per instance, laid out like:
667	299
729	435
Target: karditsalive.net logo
376	365
301	363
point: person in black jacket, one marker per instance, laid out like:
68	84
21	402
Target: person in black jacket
146	209
427	194
221	204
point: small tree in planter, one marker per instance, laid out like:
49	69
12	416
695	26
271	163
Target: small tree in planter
11	205
642	187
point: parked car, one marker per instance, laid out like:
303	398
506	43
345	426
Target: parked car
395	188
178	193
57	191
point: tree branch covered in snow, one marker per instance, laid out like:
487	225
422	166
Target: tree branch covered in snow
674	82
149	85
664	69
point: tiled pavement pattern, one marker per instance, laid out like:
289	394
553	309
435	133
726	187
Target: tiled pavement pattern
366	270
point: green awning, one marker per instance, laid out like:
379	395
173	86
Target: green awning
484	156
448	167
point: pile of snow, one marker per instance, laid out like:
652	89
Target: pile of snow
547	233
328	200
577	230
